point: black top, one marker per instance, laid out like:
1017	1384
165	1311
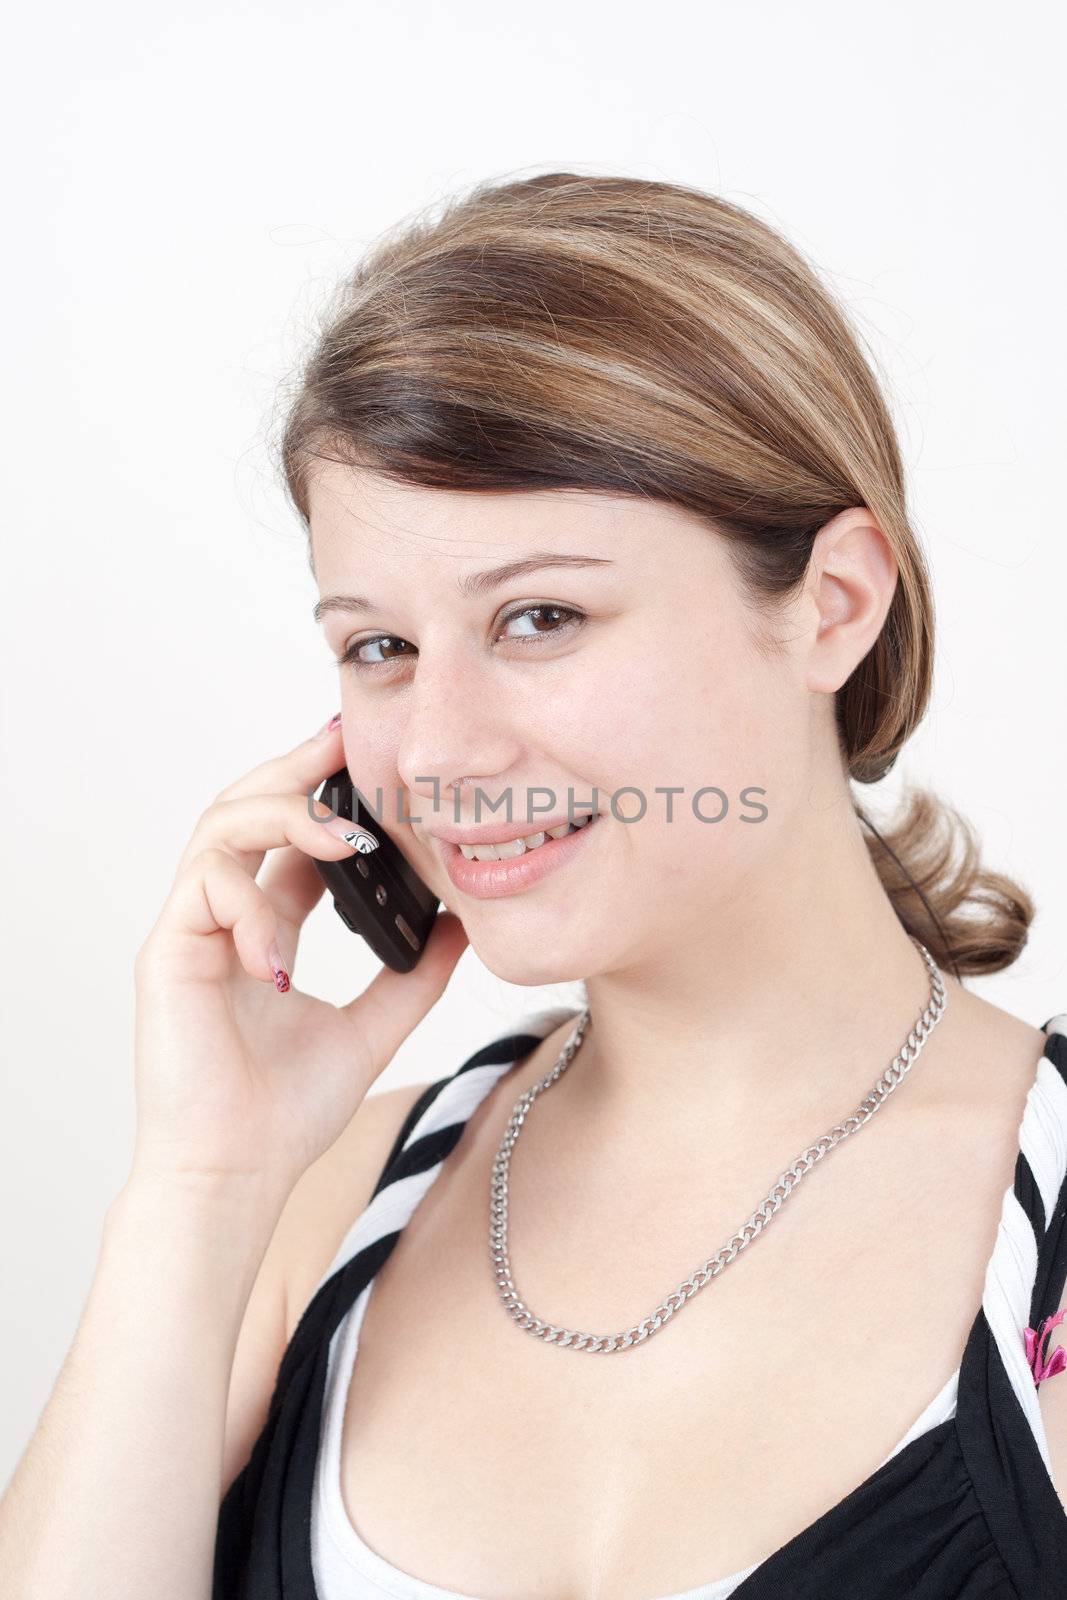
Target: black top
966	1511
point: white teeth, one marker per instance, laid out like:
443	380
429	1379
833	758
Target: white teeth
502	852
518	847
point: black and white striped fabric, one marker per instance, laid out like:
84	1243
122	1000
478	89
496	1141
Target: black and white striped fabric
964	1509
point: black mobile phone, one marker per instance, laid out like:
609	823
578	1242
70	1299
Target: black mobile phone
376	892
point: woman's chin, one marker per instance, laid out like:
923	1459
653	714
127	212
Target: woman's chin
526	971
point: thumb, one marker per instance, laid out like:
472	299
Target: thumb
394	1003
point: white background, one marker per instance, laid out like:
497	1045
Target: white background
182	190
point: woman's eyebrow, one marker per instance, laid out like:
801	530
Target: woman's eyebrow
475	583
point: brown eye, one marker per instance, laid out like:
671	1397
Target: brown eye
548	619
386	642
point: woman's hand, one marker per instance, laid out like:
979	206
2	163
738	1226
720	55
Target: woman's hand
233	1076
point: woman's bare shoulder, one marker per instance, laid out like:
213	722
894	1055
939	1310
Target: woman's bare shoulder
990	1038
981	1069
334	1190
337	1187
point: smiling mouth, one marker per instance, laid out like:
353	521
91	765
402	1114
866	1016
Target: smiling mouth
514	848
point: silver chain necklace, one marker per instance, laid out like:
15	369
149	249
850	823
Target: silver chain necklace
567	1338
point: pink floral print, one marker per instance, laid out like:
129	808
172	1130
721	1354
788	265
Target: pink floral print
1035	1339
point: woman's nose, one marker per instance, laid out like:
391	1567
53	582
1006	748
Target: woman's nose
453	726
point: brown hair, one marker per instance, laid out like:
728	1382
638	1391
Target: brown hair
646	338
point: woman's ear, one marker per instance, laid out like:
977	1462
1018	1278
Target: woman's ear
852	576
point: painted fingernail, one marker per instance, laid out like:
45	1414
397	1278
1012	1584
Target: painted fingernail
328	727
281	977
357	837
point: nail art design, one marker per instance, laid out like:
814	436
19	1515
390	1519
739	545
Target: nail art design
360	841
358	838
328	727
1035	1338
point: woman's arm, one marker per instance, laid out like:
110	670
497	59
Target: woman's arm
117	1494
242	1082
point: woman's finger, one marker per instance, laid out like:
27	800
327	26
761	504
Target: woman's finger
216	895
305	766
291	883
251	826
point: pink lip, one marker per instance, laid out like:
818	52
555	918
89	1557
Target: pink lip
489	880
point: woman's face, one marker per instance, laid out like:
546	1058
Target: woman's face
640	672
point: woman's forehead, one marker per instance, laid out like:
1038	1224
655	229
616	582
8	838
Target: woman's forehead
353	510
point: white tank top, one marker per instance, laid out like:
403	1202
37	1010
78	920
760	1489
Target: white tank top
346	1568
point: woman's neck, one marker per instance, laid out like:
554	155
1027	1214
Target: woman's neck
789	1012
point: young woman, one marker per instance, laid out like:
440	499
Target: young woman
609	526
